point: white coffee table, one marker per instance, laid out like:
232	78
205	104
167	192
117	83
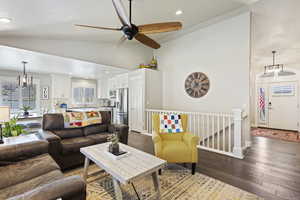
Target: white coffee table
125	170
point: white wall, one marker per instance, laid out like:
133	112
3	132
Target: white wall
222	52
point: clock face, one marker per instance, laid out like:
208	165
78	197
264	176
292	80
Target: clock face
197	85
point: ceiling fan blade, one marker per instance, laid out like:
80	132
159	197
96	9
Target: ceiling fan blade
160	27
98	27
121	12
147	41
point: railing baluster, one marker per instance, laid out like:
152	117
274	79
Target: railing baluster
218	129
203	130
147	122
199	130
194	123
224	133
207	126
229	134
213	131
150	122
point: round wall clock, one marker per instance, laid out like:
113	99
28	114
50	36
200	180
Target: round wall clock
197	85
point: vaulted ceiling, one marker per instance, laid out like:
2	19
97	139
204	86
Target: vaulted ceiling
276	27
47	26
54	19
42	63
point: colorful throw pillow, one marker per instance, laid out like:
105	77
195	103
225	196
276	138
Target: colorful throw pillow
170	123
81	119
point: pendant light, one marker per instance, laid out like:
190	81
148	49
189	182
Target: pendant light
271	70
24	80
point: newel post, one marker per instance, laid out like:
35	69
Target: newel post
237	147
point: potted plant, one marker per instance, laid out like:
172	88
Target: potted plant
26	110
11	128
114	144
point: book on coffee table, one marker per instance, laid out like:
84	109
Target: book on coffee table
120	155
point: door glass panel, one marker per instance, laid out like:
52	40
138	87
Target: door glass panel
283	90
262	105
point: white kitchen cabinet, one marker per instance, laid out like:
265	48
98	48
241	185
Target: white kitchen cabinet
122	80
102	88
145	92
112	83
118	81
61	86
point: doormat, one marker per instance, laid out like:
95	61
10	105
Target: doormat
291	136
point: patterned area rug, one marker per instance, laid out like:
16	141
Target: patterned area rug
291	136
176	183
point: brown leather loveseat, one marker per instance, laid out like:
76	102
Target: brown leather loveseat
65	143
28	172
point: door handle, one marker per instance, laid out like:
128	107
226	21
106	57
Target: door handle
270	106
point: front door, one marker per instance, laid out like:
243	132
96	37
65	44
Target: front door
283	105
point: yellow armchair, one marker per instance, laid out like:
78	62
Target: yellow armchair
175	147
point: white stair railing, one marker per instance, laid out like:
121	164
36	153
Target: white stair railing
219	132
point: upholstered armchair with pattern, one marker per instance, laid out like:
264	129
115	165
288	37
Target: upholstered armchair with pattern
175	147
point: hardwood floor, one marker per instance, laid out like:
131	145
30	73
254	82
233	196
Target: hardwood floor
271	168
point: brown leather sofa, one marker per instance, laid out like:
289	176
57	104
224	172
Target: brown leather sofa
65	143
28	172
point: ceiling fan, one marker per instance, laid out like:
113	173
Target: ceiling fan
131	31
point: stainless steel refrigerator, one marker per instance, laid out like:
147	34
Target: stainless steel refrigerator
121	109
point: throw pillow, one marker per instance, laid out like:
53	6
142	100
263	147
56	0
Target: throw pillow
170	123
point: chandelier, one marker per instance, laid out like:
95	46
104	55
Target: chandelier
271	70
24	80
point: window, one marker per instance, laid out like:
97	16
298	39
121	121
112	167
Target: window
83	92
84	95
89	95
16	97
279	90
77	95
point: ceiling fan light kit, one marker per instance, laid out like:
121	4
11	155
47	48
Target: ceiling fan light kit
131	31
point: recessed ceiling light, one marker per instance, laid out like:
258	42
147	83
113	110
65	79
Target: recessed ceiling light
5	20
179	12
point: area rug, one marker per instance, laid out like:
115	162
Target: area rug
291	136
177	183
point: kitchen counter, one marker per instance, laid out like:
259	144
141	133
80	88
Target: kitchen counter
90	109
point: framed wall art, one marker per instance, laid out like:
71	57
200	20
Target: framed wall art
45	93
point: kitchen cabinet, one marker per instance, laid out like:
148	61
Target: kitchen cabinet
122	81
102	88
118	81
112	83
61	86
